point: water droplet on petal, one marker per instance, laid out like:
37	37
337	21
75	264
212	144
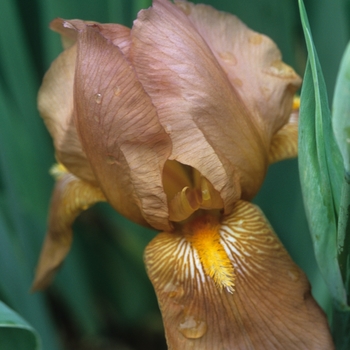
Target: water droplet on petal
228	57
117	91
294	275
281	70
168	128
192	328
240	222
237	82
112	160
205	194
98	98
256	39
174	290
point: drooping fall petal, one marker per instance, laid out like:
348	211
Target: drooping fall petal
70	197
120	131
268	307
252	62
208	122
55	103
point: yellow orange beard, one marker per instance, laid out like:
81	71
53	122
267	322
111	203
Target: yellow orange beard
203	233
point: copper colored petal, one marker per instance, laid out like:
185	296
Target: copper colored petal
208	122
55	103
270	306
55	98
117	34
252	62
70	197
284	143
120	131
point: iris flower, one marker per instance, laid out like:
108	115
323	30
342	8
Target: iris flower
174	123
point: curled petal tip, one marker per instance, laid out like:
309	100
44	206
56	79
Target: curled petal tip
53	253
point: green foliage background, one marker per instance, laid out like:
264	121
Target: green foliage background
101	298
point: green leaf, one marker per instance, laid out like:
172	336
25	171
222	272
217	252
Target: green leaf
341	109
321	169
341	329
343	234
15	332
329	21
341	126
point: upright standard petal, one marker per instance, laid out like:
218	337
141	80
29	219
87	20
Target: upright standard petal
239	291
55	103
70	197
252	62
55	98
120	131
208	122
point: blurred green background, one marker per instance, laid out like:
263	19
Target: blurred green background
101	298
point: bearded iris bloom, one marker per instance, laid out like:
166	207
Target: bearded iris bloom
174	123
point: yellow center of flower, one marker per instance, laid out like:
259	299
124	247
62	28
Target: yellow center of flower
204	235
